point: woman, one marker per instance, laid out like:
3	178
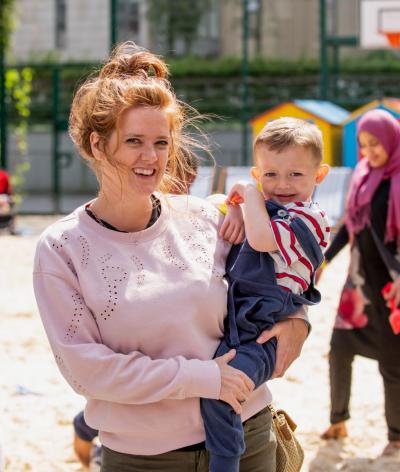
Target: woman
372	226
130	286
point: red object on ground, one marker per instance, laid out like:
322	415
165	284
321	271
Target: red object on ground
394	317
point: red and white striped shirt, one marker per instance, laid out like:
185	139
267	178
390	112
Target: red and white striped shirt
292	266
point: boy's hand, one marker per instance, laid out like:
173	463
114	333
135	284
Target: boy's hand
236	194
232	229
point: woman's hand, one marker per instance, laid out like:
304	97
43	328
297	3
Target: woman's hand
394	293
232	228
290	334
236	387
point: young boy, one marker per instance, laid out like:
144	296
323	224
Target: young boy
271	273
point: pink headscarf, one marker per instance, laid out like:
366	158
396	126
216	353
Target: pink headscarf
366	179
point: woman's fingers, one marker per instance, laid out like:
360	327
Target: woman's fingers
249	383
290	335
237	407
228	356
236	386
395	292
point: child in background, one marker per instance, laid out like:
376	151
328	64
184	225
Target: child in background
271	274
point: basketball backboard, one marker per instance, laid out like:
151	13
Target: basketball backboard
380	24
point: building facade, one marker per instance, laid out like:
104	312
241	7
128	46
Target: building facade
80	29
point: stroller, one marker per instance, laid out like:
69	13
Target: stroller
7	215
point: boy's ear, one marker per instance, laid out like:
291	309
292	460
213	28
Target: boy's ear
322	173
255	173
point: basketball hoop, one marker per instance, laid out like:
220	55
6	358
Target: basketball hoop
393	38
380	24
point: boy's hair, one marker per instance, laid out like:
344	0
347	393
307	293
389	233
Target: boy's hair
279	134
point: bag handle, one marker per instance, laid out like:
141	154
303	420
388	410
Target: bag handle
283	421
391	263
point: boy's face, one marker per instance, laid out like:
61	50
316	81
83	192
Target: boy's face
289	175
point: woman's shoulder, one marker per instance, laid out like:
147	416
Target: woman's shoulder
59	234
194	206
65	224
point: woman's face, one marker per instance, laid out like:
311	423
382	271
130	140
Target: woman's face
140	149
372	149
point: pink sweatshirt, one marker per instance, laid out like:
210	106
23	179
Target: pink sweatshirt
134	320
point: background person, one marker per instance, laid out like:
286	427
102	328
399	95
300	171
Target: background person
131	287
362	324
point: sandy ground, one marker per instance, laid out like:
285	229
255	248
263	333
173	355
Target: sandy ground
37	405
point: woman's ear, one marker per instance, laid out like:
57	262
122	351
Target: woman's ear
322	172
95	146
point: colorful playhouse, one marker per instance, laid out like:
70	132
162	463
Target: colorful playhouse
326	115
350	151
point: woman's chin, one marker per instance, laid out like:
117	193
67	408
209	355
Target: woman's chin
144	186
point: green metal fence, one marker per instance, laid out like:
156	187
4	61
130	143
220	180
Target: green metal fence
54	84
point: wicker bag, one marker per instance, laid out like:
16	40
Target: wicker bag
289	453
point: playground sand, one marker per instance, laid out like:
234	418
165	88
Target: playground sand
37	405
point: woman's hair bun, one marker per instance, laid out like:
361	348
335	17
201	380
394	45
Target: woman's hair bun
129	60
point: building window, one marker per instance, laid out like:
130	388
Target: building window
128	20
61	23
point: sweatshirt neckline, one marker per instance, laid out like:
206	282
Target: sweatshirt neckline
127	237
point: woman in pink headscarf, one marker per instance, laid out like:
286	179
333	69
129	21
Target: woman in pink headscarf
372	227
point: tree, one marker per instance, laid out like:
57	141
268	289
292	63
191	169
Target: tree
6	10
15	88
177	19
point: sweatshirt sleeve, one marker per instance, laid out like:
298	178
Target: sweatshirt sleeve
96	371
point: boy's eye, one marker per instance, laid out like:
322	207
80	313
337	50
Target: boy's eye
296	174
269	174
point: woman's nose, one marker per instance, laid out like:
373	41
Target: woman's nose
149	154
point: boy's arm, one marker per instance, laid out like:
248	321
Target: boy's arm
257	223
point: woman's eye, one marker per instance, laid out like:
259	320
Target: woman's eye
162	142
133	141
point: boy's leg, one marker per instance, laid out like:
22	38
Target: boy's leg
260	440
224	431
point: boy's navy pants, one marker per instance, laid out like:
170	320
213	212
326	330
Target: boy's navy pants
224	431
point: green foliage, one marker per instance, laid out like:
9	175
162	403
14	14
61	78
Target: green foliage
215	86
6	21
232	67
18	89
18	86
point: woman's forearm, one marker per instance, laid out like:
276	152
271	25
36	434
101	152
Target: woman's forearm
339	242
